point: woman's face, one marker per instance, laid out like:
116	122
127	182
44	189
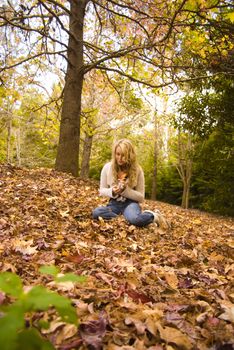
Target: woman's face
119	156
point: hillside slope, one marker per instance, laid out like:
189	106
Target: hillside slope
146	288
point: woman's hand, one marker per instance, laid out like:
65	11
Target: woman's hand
119	188
122	185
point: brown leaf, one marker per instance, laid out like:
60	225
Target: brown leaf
139	297
174	336
68	331
74	344
181	282
228	314
2	298
24	247
76	258
139	325
172	279
92	332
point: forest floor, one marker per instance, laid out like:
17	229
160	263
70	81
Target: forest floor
147	288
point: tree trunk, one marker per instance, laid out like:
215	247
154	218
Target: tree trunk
18	148
67	159
155	172
185	167
185	197
9	132
86	156
155	160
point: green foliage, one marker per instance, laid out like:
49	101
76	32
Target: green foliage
14	332
207	107
194	115
2	150
212	185
101	155
170	186
32	340
208	113
29	132
49	270
54	271
37	152
11	284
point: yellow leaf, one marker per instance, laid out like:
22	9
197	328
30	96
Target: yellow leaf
224	52
230	16
65	213
59	237
197	222
123	234
171	279
174	336
65	252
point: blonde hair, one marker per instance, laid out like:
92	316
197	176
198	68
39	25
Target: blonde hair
132	166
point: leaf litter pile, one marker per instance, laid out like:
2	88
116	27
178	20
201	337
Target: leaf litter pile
146	288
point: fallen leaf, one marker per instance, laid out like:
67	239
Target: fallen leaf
74	344
147	276
24	247
172	279
68	331
55	324
139	297
76	258
174	336
139	325
92	332
228	314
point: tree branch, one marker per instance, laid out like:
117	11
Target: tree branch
30	58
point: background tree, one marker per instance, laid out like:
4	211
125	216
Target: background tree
208	114
109	111
212	185
184	165
34	130
150	35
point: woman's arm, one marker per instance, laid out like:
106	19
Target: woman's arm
104	189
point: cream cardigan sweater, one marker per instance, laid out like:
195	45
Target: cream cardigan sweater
107	181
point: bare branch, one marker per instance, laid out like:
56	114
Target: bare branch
152	85
30	58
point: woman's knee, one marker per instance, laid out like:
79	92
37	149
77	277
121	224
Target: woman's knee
97	212
132	212
104	212
132	221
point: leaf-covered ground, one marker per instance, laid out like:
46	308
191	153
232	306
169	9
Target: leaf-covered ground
146	289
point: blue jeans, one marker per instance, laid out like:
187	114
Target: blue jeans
130	209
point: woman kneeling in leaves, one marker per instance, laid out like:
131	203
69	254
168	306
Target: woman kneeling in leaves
122	180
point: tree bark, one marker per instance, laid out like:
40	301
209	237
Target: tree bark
186	193
67	159
9	132
155	159
84	173
17	146
185	167
155	172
